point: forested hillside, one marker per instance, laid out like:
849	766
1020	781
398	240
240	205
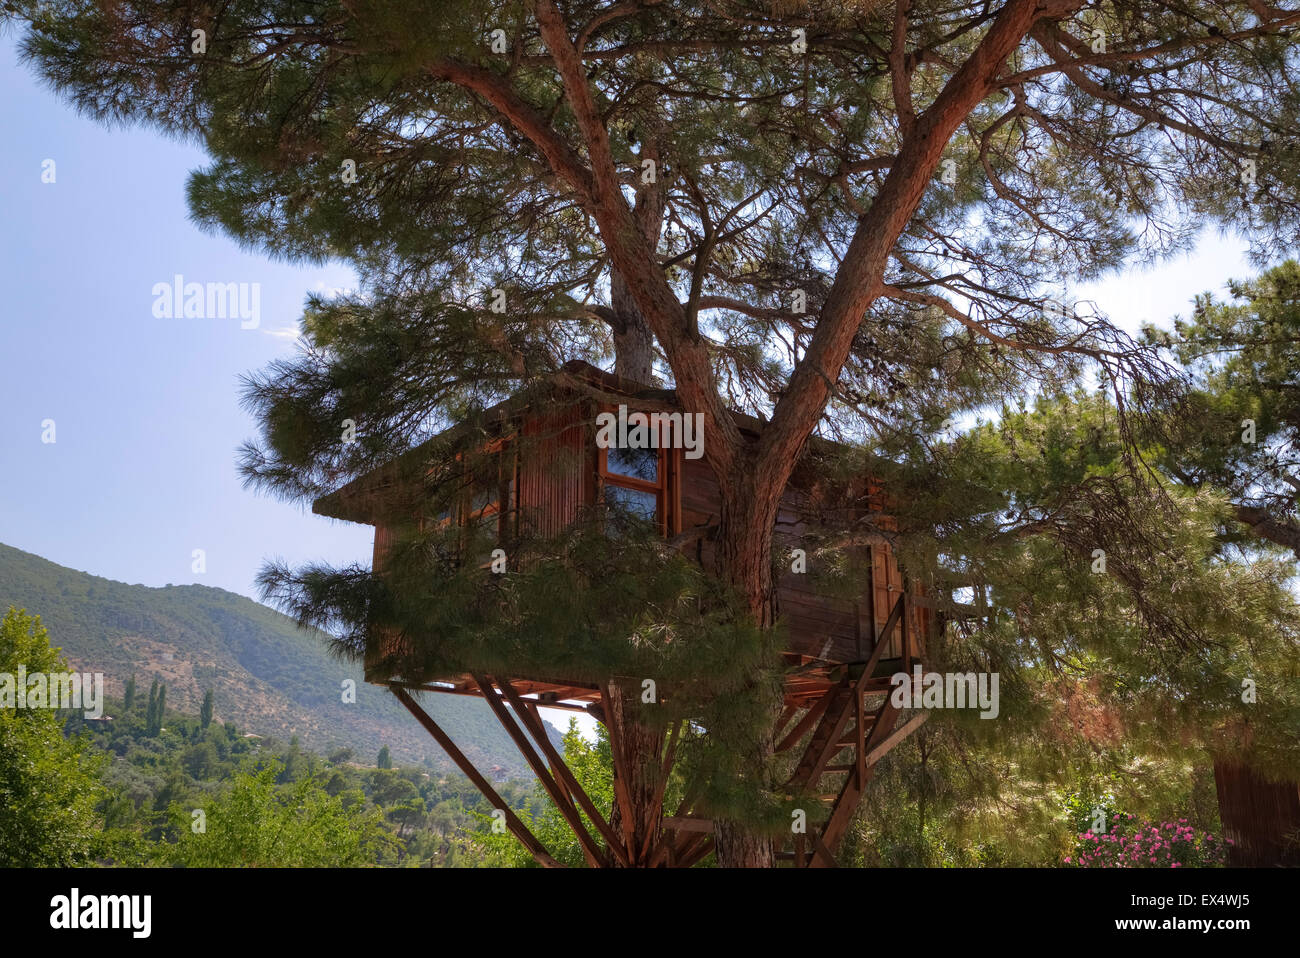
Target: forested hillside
267	675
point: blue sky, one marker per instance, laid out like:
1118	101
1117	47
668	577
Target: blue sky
146	413
143	468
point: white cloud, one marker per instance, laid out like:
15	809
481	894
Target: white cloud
285	332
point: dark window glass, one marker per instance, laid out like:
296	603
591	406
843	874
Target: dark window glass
636	502
637	463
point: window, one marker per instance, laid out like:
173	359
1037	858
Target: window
476	506
638	481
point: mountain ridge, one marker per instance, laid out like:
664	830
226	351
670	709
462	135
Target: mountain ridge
269	676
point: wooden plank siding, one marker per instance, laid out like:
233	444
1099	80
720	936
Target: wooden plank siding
555	466
385	641
549	471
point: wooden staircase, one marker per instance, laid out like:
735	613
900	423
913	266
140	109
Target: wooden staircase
840	719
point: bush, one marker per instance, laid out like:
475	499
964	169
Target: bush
1130	844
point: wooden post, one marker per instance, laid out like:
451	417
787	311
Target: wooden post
563	774
517	827
588	845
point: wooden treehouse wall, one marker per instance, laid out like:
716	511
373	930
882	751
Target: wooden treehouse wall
819	625
551	473
554	469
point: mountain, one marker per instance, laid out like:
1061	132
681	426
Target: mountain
269	676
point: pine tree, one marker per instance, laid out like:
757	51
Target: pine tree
205	711
1239	429
855	223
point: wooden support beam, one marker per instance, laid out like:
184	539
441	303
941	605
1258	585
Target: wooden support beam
787	714
805	723
860	725
879	752
474	693
564	776
697	849
517	827
590	850
886	634
669	751
621	794
821	854
878	743
661	791
871	593
825	741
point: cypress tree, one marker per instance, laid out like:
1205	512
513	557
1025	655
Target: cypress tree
151	710
205	712
128	697
162	709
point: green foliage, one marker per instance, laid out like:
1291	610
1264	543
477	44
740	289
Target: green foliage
1105	594
257	824
152	721
160	711
1238	428
385	760
150	785
604	598
592	766
48	783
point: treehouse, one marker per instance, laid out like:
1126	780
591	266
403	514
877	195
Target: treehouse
581	443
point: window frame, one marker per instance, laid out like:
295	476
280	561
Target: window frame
505	487
666	490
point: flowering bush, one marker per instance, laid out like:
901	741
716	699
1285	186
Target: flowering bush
1132	844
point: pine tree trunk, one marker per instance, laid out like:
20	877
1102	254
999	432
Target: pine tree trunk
744	558
637	772
633	341
638	762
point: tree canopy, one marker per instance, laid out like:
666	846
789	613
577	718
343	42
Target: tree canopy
859	219
49	784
